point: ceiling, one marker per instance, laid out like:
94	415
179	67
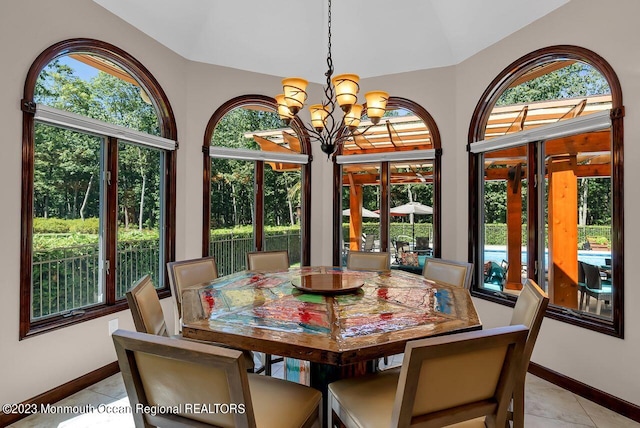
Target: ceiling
289	37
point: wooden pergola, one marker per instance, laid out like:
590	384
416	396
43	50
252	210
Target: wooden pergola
568	159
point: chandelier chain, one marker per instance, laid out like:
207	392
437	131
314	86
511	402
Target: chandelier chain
329	60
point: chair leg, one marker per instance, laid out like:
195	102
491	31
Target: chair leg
518	404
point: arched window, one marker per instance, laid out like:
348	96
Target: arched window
387	195
546	191
98	184
256	184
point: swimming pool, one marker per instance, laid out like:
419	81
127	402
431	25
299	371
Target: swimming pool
499	253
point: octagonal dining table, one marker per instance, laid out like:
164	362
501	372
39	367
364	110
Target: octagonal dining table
341	321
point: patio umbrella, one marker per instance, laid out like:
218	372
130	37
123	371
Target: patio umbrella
365	213
411	208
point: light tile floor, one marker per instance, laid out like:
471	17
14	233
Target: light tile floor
546	406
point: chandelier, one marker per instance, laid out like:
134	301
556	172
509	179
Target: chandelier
341	89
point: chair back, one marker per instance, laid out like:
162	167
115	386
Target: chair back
592	276
363	260
450	379
146	309
422	243
268	260
369	242
175	374
187	273
448	271
529	311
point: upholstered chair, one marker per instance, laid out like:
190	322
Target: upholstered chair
148	316
448	272
178	375
465	378
187	273
145	308
365	260
529	311
268	260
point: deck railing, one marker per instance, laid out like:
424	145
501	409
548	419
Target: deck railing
68	278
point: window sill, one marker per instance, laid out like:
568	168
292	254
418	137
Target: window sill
60	321
579	319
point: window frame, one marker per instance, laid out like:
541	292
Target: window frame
168	130
480	116
305	198
385	184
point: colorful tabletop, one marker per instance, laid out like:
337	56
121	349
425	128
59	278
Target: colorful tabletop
373	317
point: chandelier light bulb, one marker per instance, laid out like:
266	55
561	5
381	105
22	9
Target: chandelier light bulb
346	86
283	109
376	105
319	115
294	93
352	119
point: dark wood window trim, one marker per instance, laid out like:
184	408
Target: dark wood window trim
305	144
476	133
167	129
422	113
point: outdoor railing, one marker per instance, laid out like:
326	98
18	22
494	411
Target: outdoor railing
230	251
68	278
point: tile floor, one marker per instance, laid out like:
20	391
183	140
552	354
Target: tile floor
546	406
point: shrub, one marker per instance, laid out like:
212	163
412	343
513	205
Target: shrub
50	225
89	225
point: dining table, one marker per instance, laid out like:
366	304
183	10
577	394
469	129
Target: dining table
341	321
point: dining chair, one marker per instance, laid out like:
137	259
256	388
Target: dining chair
203	385
145	308
448	272
364	260
529	311
442	381
187	273
268	260
148	316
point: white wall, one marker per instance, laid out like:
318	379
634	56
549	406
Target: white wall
37	364
611	30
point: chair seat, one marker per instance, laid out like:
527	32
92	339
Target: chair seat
374	411
281	404
369	399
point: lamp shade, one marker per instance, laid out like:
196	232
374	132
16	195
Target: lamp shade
283	109
346	86
294	93
376	104
352	119
319	115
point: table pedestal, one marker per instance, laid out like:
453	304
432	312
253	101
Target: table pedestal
321	375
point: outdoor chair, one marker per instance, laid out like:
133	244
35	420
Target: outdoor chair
178	375
442	381
369	242
529	311
448	272
268	260
422	245
593	288
362	260
401	248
